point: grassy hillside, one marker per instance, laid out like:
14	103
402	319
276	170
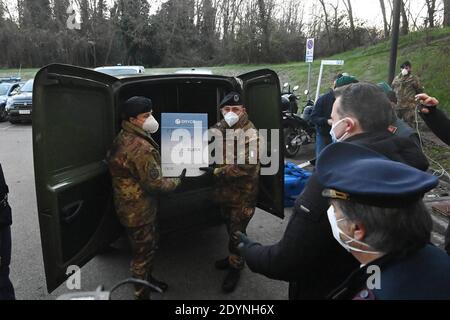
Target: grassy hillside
429	51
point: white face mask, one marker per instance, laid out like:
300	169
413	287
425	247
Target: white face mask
337	235
151	125
333	133
405	72
231	118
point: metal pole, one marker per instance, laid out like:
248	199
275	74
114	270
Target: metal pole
319	82
395	38
309	80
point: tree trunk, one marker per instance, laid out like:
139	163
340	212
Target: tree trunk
327	23
385	21
405	22
431	10
348	6
446	13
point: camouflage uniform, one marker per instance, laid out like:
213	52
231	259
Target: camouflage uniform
236	187
134	163
406	88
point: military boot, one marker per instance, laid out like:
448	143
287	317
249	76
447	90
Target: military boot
231	280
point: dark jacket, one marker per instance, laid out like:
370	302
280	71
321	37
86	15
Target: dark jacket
422	275
439	123
308	256
322	113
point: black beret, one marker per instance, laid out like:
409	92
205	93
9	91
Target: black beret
232	99
136	106
355	173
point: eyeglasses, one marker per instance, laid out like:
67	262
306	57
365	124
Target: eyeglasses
232	109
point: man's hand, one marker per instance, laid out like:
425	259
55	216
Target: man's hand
426	103
208	170
244	242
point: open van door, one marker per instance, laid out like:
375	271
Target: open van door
74	124
262	100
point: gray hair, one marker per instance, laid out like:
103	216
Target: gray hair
367	103
391	230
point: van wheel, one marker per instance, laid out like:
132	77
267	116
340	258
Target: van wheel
3	115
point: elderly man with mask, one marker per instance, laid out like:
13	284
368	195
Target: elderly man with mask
377	214
236	183
308	256
135	166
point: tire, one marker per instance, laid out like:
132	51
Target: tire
3	115
289	134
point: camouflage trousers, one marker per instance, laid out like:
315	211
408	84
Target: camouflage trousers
237	220
408	115
144	241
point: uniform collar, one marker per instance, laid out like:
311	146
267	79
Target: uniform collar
131	128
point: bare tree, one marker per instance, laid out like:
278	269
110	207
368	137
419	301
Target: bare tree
431	9
405	21
446	13
327	22
348	6
385	21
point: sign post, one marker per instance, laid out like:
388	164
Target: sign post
310	43
326	63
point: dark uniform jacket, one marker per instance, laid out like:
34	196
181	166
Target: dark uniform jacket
308	256
422	275
439	123
5	209
322	113
135	166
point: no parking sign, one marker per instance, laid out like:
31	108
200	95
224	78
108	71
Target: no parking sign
310	50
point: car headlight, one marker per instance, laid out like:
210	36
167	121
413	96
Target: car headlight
9	104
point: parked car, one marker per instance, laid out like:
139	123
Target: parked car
10	79
20	106
118	71
75	120
7	90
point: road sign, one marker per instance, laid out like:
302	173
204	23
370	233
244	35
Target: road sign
326	63
333	62
310	50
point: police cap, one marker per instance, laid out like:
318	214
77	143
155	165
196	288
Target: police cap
355	173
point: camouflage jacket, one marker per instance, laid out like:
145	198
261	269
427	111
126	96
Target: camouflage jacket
406	88
237	182
134	162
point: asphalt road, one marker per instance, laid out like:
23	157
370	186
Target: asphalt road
185	261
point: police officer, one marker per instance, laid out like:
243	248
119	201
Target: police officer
6	287
406	87
135	166
236	187
378	215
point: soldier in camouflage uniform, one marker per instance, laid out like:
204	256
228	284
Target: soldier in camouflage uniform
407	86
134	163
237	180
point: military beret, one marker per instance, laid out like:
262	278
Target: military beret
345	80
385	87
355	173
231	99
406	64
136	106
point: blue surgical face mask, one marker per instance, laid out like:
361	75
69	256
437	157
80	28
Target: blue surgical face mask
334	138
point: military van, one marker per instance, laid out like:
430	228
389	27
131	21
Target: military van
75	121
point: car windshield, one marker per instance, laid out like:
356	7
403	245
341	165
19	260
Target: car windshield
4	87
28	87
118	72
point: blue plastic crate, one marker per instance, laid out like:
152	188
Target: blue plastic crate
295	180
